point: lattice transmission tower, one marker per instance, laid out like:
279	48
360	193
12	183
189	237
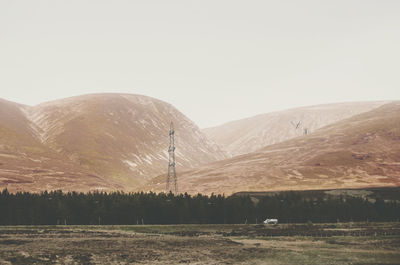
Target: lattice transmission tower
171	162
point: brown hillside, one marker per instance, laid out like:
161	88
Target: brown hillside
250	134
27	165
120	138
362	151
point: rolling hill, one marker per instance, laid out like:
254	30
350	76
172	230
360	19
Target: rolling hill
361	151
118	140
250	134
28	165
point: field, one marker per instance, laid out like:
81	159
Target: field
342	243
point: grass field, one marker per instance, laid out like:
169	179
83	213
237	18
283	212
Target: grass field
343	243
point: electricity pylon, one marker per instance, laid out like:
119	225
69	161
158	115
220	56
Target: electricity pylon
171	162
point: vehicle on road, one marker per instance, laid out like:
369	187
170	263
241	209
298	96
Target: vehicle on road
271	221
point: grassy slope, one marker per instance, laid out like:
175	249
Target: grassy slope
250	134
100	132
362	151
26	162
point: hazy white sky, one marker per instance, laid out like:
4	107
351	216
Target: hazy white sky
214	60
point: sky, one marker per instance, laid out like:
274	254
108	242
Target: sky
216	61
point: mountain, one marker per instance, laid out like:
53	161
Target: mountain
26	164
248	135
362	151
119	139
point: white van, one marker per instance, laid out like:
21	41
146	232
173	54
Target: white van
271	221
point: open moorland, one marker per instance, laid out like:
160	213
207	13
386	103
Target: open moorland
341	243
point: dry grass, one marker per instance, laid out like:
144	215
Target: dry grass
192	244
358	152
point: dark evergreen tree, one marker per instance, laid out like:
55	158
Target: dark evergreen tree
118	208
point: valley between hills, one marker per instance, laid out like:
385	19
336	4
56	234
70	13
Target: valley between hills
109	142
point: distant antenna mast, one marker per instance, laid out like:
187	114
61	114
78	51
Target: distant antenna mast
171	161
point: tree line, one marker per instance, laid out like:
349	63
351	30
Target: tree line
118	208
